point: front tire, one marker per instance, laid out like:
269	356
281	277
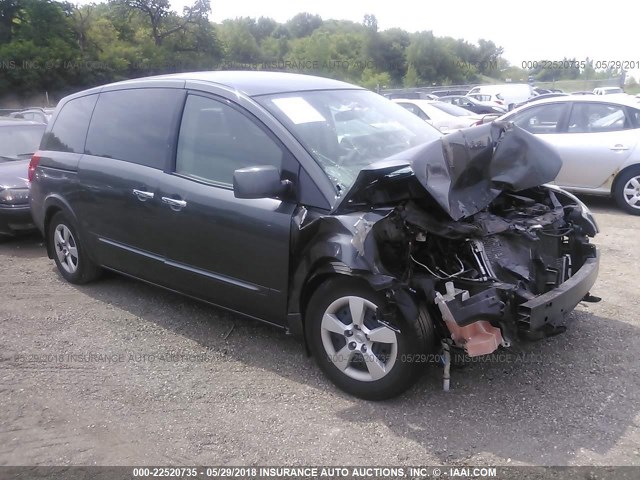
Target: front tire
68	252
627	191
358	354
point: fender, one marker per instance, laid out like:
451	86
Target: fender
337	245
53	203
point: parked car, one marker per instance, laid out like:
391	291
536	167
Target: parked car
473	105
443	93
494	99
318	207
19	139
444	116
411	95
607	90
542	97
582	92
40	115
598	139
510	93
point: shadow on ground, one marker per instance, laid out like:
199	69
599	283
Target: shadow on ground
541	403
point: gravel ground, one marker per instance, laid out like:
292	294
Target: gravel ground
121	373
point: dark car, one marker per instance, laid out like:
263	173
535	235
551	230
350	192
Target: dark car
318	207
472	104
442	93
19	139
542	97
411	95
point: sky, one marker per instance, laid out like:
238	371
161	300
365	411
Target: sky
544	29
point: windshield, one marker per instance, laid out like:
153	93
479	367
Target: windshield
19	141
452	109
346	130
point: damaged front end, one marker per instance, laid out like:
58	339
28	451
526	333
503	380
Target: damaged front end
511	272
466	228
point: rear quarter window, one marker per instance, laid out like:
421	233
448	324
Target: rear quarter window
136	125
69	131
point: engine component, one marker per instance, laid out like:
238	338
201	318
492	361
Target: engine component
477	338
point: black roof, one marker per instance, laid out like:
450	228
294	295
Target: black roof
254	83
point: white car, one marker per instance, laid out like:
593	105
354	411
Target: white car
509	93
598	139
444	116
607	90
492	99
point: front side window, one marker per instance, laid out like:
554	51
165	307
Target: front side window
216	139
541	118
135	125
346	130
597	117
70	128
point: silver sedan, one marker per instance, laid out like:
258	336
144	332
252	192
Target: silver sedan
598	140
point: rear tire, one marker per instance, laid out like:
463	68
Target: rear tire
358	354
626	191
68	252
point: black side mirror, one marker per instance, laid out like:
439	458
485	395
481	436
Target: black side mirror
262	181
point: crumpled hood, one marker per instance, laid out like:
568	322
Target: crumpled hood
14	174
466	170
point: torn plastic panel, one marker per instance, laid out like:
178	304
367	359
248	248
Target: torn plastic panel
463	171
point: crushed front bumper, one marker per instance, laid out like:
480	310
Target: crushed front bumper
504	318
550	308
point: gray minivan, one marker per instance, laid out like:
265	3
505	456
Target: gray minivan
319	207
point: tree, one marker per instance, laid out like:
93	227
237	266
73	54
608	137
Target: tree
240	44
160	15
303	24
9	15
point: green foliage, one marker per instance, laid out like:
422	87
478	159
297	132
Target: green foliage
52	46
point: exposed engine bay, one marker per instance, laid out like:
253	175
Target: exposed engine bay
480	271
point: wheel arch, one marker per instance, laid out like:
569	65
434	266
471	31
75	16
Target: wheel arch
52	205
621	173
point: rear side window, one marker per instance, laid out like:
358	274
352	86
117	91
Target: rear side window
70	128
597	117
135	125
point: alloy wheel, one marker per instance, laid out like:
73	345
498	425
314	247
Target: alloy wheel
66	248
631	192
355	342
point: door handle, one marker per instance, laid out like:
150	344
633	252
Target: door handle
142	195
174	204
619	147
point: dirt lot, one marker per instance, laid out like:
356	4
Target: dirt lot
120	373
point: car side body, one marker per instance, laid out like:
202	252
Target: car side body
598	139
320	208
